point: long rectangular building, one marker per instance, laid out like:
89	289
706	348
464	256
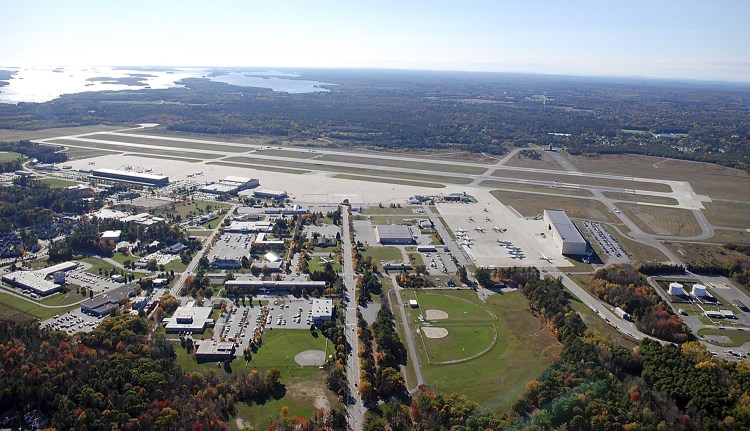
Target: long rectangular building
565	233
130	177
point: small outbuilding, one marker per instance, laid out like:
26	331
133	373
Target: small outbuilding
413	303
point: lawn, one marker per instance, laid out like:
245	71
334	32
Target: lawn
386	210
383	253
524	349
15	304
729	214
738	337
66	298
6	156
416	259
58	183
316	264
661	220
529	205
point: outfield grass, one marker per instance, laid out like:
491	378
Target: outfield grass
524	349
15	304
383	253
7	156
58	183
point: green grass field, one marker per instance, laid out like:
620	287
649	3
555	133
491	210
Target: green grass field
6	156
383	253
729	214
738	337
524	347
14	305
316	264
386	210
58	183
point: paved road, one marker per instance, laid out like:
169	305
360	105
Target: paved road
409	338
355	407
624	326
190	269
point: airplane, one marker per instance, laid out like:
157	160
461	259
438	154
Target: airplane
479	229
487	218
460	230
547	258
471	219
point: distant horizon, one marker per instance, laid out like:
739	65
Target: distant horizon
391	69
669	39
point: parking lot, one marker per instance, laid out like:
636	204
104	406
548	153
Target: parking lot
491	234
97	283
72	322
608	243
240	323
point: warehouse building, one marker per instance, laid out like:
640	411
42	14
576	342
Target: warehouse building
129	177
275	285
230	185
41	282
394	234
276	195
103	304
566	235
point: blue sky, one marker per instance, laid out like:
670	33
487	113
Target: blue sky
658	38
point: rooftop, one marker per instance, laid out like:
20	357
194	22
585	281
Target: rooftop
565	228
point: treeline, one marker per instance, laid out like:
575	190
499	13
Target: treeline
596	385
26	206
43	153
381	353
623	286
10	166
736	268
117	377
406	111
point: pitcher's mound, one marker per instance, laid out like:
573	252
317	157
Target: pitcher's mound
431	332
311	357
436	315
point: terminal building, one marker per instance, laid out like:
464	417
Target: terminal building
566	235
394	234
129	177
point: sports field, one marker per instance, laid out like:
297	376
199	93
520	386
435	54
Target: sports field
8	156
496	378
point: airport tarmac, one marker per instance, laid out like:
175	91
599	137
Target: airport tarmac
520	245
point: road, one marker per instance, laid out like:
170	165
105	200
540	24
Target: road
409	338
190	269
355	407
624	326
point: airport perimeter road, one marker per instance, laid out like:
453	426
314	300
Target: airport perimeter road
355	407
175	291
409	338
624	326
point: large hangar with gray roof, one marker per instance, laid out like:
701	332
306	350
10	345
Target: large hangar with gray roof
566	235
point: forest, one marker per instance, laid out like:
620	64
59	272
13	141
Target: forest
410	110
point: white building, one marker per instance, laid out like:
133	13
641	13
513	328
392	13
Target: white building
565	233
676	289
322	310
209	350
190	319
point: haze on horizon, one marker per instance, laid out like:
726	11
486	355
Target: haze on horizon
665	39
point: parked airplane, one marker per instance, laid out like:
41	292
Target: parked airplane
479	229
547	258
